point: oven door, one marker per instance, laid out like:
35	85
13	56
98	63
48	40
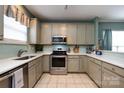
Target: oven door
58	61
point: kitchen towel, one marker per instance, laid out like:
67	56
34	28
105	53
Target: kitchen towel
18	81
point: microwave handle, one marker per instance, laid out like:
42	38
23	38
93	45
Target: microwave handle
6	76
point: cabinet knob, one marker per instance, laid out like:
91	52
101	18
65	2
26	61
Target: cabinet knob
113	69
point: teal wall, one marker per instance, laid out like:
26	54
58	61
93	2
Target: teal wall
110	25
10	50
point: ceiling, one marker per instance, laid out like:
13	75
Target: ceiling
77	12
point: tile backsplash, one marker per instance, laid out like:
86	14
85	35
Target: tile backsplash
47	48
82	49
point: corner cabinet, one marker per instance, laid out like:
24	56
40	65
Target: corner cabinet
71	33
46	33
34	33
1	22
46	60
90	33
83	64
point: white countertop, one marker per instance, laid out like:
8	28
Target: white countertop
105	58
9	64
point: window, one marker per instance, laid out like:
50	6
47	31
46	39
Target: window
118	41
13	30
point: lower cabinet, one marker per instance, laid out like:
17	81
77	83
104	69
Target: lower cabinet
85	59
46	61
31	76
110	79
34	71
94	71
39	68
77	64
73	64
83	64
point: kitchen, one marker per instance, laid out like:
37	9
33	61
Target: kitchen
58	46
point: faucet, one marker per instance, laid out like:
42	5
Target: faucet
20	52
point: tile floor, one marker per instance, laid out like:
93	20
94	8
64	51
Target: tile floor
65	81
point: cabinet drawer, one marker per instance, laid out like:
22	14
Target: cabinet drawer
30	64
113	68
98	62
91	59
73	57
73	65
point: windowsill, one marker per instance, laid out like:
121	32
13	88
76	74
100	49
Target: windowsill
11	41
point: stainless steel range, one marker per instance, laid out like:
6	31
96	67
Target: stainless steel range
58	59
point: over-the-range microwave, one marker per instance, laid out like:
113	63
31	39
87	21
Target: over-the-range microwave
59	39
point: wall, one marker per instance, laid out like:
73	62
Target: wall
110	25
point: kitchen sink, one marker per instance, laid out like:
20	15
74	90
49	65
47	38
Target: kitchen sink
24	58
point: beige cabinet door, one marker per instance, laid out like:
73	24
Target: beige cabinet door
71	33
97	75
111	80
90	68
34	33
85	58
95	72
46	63
73	65
41	65
1	22
59	29
90	34
38	68
46	32
82	64
81	29
32	76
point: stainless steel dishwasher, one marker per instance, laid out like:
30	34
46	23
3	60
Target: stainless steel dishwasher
6	78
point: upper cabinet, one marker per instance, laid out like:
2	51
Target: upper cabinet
59	29
46	32
34	33
77	33
90	34
71	33
1	22
81	33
